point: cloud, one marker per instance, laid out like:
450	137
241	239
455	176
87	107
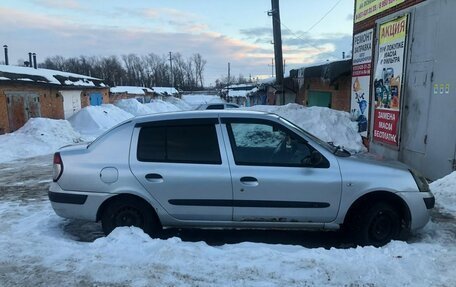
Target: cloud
302	48
175	19
59	4
259	32
48	36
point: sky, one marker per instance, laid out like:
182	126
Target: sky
238	32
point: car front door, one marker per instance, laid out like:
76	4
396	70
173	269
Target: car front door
278	176
181	165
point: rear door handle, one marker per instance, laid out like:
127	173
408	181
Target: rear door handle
249	181
154	177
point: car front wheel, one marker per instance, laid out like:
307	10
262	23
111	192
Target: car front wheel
377	225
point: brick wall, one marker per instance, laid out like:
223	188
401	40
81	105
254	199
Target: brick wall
85	99
4	125
340	91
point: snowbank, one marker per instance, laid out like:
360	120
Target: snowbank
181	104
39	136
134	107
327	124
92	121
199	99
159	106
444	190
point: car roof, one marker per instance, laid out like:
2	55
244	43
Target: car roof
204	114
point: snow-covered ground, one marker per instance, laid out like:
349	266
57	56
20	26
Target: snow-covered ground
38	248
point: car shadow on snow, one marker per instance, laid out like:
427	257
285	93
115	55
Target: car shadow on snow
86	231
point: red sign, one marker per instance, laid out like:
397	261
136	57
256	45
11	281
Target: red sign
361	70
385	126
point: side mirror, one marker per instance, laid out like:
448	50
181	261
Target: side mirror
314	159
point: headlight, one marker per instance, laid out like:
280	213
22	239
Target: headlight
420	180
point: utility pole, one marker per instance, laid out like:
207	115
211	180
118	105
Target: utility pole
229	71
275	13
272	67
171	76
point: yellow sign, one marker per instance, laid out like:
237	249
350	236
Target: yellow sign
393	30
367	8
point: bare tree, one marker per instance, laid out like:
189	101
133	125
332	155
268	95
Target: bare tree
200	63
148	70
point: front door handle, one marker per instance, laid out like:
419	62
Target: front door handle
249	181
154	177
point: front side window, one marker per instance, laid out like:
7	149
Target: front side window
268	144
179	144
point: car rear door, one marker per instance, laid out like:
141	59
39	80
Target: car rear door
182	165
272	181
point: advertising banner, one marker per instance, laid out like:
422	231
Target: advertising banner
360	92
388	80
367	8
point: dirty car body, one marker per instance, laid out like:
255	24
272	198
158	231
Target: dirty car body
234	169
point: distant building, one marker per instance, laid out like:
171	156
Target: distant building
26	92
239	94
163	92
142	94
324	85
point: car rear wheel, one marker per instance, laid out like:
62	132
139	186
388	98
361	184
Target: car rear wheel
377	225
129	212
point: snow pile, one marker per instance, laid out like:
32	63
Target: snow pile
134	107
92	121
444	190
39	136
159	106
181	104
327	124
199	99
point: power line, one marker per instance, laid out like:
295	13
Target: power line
313	26
324	16
306	41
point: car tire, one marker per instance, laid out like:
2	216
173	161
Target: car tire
377	225
129	212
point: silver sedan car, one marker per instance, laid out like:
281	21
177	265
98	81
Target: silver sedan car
235	169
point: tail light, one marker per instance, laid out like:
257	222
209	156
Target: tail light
57	167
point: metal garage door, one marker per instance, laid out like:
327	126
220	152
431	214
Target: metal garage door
319	99
21	107
71	102
96	99
428	129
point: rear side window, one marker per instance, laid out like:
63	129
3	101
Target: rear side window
179	144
